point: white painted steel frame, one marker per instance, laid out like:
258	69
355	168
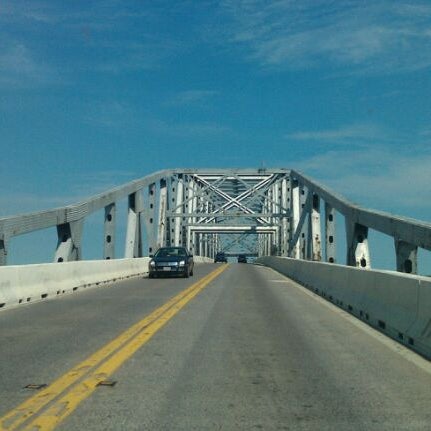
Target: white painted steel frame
285	201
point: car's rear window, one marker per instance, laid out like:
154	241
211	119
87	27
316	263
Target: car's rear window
166	252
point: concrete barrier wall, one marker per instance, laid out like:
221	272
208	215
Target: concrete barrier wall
23	284
395	303
202	259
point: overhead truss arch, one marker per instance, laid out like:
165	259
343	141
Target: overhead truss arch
257	211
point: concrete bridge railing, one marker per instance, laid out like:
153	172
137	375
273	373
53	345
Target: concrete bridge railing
398	305
27	284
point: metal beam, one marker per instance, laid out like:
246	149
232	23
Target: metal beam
109	225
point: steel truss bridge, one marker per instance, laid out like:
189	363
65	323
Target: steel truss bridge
259	212
288	342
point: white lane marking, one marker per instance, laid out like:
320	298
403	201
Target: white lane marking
398	348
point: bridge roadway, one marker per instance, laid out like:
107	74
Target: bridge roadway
252	350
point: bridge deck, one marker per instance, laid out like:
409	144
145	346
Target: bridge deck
251	351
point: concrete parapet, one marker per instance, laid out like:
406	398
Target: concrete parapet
397	304
202	259
23	284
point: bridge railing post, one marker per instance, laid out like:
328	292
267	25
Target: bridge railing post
109	231
330	238
284	220
3	251
276	220
316	233
407	257
294	248
358	253
179	210
133	246
150	217
305	211
161	218
69	241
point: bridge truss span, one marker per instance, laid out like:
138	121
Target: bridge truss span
258	212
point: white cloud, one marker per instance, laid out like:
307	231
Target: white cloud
191	97
107	37
19	203
113	114
17	10
345	134
92	183
426	133
76	189
20	68
378	178
131	55
378	38
185	130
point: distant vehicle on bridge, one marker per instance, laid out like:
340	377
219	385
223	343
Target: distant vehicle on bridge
171	261
242	258
220	257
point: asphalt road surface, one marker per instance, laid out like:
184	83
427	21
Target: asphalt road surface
246	350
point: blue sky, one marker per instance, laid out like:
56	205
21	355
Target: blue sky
96	93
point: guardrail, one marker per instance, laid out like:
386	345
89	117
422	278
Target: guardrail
69	221
305	240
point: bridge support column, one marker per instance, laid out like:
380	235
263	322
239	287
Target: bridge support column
193	241
211	255
358	253
269	237
196	209
407	257
190	210
150	216
305	209
109	228
3	251
264	237
69	241
206	245
330	233
133	246
200	244
294	219
170	221
276	198
274	247
316	233
179	204
284	220
216	243
161	219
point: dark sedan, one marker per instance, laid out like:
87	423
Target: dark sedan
242	258
171	261
220	257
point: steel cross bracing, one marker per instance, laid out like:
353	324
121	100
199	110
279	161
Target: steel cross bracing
227	203
252	193
256	211
241	244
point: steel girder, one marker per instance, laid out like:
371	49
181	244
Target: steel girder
264	211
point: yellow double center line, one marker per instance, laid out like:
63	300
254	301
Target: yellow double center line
50	406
